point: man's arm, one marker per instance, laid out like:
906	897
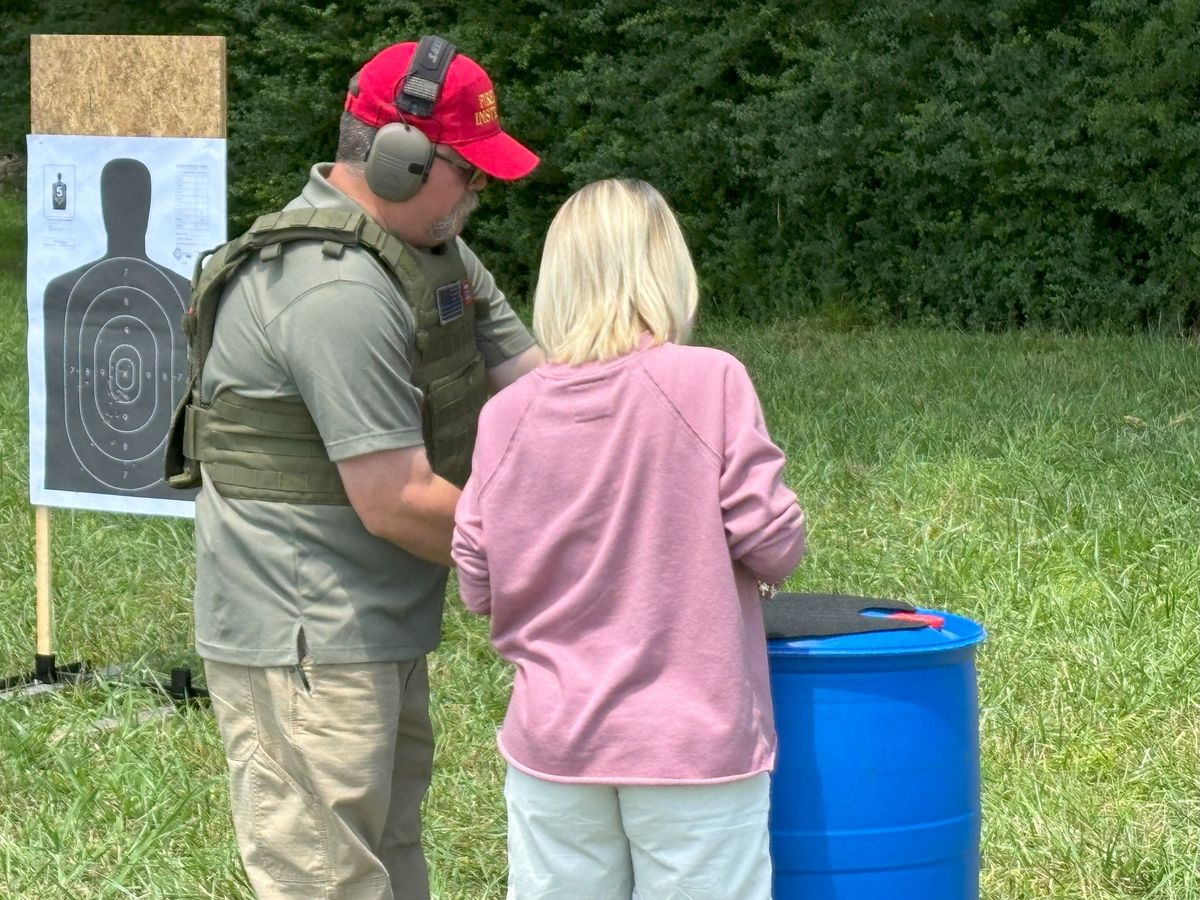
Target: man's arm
398	498
500	332
502	375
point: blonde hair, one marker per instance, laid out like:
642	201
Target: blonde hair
614	265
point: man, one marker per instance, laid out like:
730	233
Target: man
334	419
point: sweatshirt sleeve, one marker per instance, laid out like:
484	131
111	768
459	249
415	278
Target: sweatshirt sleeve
499	423
474	583
764	524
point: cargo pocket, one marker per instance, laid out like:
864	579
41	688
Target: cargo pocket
289	836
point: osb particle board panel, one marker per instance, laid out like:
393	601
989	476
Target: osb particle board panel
140	85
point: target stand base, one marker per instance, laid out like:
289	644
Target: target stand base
179	688
48	677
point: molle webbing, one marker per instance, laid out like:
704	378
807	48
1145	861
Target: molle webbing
236	435
452	409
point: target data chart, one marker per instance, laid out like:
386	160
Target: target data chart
115	227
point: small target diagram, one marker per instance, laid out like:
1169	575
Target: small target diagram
113	357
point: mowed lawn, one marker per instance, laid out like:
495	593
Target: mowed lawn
1046	486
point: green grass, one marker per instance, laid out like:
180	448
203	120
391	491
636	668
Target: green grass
1046	486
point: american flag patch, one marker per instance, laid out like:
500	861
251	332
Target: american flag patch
450	302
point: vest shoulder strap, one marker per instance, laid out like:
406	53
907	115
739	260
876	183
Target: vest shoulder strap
277	453
336	228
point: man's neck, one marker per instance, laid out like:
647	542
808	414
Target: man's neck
390	215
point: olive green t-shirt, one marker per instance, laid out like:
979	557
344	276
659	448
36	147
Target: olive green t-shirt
337	333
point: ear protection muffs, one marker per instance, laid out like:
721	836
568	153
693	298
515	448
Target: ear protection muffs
398	161
401	155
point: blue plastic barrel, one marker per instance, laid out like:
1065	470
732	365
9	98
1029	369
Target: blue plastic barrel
876	787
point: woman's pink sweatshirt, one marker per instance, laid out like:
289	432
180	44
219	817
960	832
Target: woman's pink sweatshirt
617	520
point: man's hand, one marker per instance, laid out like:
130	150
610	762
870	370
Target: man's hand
399	499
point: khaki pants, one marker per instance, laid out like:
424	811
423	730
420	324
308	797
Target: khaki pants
327	769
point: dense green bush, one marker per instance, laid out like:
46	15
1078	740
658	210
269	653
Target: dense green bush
995	164
988	164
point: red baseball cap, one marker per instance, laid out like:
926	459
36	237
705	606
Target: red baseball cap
465	115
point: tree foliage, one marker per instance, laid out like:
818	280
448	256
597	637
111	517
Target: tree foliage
983	164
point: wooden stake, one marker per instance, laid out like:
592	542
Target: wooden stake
45	608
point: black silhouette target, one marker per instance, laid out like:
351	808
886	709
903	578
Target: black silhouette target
122	370
116	361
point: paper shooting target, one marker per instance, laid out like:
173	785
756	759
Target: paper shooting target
116	360
124	365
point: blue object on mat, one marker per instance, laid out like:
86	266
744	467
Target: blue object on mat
876	788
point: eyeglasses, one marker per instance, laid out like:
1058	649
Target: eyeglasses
476	177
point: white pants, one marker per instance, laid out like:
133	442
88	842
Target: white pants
605	842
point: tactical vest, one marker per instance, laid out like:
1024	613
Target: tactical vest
271	449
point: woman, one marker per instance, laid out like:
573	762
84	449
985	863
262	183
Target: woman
624	505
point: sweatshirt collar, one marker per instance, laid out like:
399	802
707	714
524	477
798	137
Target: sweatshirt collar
562	370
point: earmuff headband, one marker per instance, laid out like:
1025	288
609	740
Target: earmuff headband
426	72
